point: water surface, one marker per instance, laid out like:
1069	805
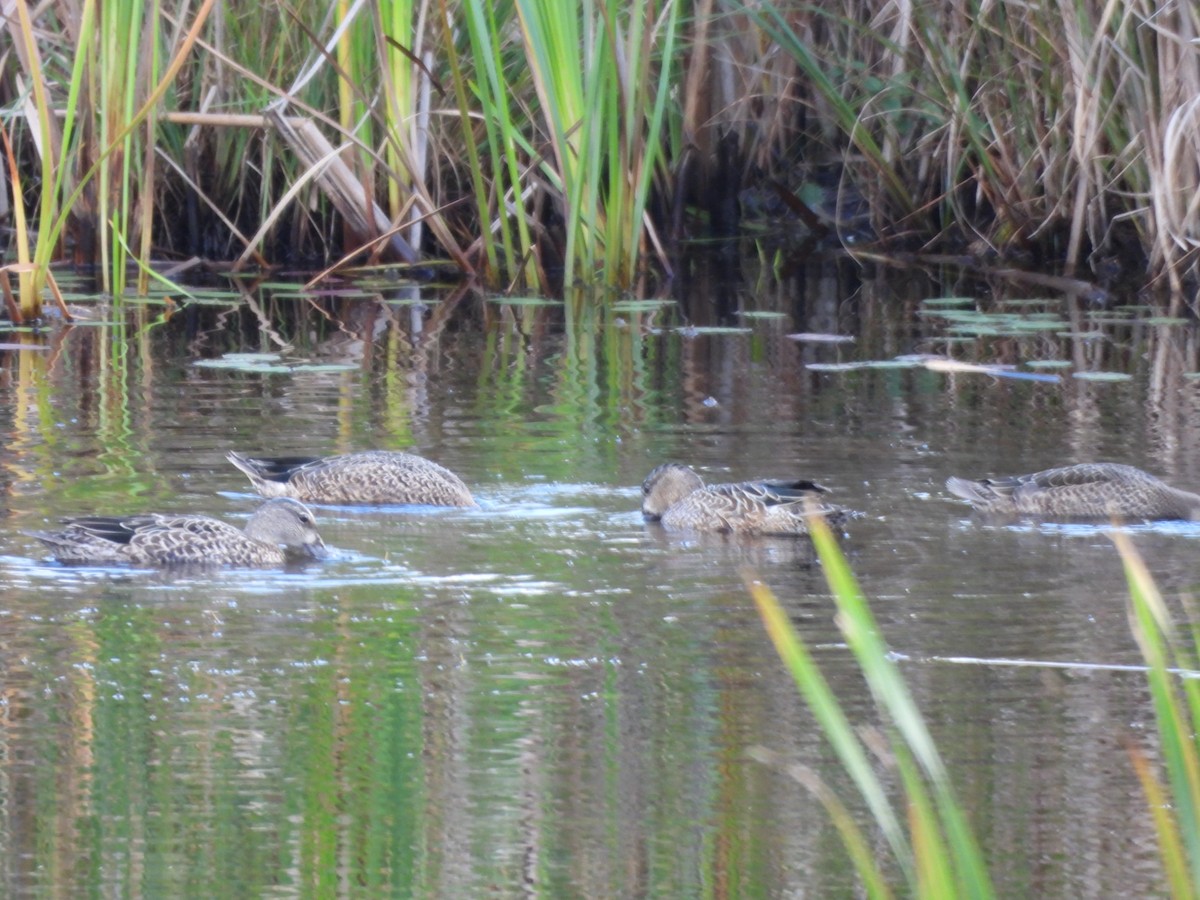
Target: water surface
545	695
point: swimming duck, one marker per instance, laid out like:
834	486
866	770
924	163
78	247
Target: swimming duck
676	496
279	530
1085	491
372	476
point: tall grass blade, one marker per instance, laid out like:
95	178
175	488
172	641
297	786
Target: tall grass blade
859	849
27	303
1170	847
1177	725
47	139
829	715
891	693
499	180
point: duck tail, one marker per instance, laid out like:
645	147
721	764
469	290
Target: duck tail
973	491
259	473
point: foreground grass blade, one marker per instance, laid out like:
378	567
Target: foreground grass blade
1170	847
1162	646
837	728
857	846
892	695
939	855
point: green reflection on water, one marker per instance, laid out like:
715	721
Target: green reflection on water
541	696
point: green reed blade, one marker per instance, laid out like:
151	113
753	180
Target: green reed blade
1170	847
892	695
1177	726
832	719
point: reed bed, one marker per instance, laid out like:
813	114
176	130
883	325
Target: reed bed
537	145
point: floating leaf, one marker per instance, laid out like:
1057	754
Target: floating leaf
979	330
948	301
816	338
1023	303
692	330
1037	324
525	301
248	362
630	306
868	364
240	366
5	345
205	301
323	367
941	364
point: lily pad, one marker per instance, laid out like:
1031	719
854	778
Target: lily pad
1036	324
808	337
9	345
323	367
867	364
948	301
1027	302
1102	376
268	363
240	367
630	306
524	301
979	330
692	330
207	301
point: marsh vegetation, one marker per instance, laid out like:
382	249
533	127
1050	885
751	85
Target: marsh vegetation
531	144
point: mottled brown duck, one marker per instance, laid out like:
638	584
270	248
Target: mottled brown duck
1086	491
279	530
372	476
676	496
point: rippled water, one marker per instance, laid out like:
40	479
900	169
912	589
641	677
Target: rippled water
545	695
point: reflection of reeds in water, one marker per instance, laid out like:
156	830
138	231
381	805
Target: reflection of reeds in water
570	390
115	429
28	457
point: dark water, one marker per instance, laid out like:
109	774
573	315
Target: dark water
545	696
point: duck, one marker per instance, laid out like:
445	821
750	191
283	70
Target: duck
676	496
1099	490
279	530
371	476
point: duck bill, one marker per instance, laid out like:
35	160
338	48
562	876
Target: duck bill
315	550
